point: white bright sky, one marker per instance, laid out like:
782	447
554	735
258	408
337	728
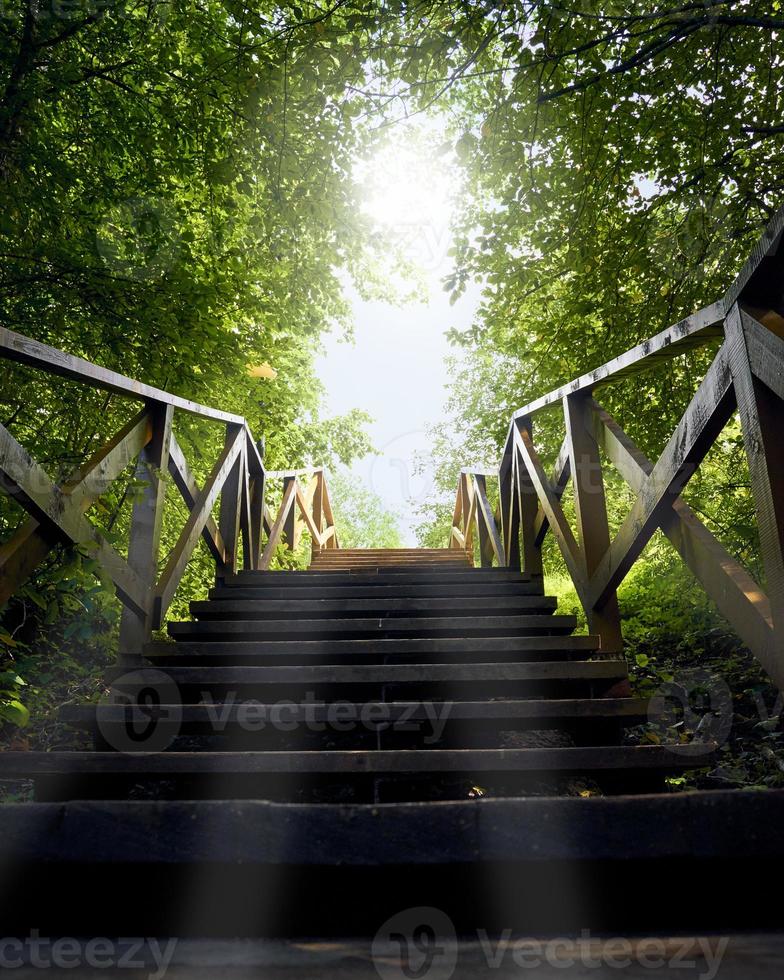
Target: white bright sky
395	368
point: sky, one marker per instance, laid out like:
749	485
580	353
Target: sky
395	368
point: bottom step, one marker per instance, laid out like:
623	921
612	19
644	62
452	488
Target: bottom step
680	863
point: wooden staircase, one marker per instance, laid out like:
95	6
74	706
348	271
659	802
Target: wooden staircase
380	677
438	727
316	751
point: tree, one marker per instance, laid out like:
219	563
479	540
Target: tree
619	166
179	205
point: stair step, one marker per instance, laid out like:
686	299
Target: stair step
372	588
378	627
378	561
256	832
202	679
361	567
319	725
444	674
417	571
375	607
447	649
371	714
392	554
390	551
484	576
560	866
381	561
450	761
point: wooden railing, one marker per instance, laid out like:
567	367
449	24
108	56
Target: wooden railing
746	373
474	511
237	482
307	505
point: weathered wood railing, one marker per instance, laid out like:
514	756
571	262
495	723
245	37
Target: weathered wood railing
473	510
237	480
311	503
746	373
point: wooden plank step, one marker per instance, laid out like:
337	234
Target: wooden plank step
393	563
591	868
372	714
379	568
248	579
374	589
375	569
375	607
396	563
581	670
383	762
423	554
416	567
379	627
448	554
390	551
422	649
680	826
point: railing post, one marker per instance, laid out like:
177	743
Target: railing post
318	510
528	507
290	524
329	517
245	515
467	498
230	504
145	532
457	517
761	414
593	530
510	508
256	518
256	476
485	546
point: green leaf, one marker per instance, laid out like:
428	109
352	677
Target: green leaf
14	712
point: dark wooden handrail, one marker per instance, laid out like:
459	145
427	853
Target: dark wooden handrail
237	479
746	373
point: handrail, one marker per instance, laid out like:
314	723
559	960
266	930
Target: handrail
25	350
312	504
746	373
237	479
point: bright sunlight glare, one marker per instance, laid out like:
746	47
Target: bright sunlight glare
397	360
409	182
